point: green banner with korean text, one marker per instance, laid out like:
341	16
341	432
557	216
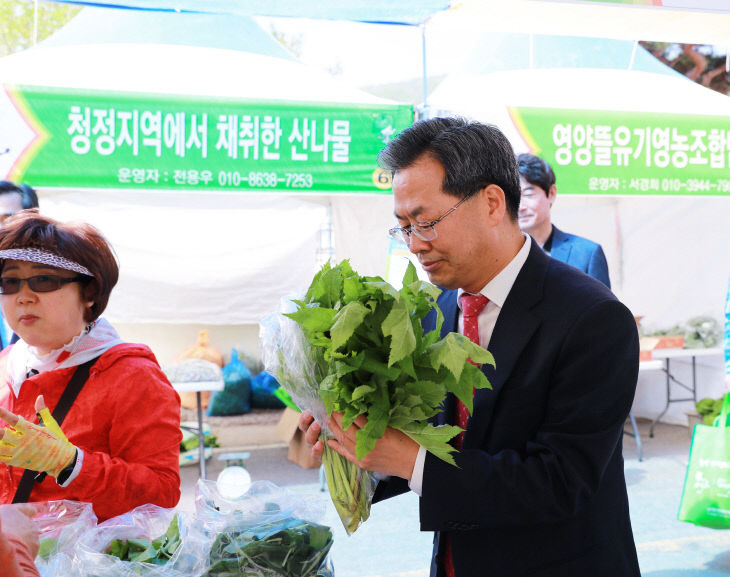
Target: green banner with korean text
76	139
630	153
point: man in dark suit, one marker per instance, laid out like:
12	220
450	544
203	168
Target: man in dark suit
539	489
537	181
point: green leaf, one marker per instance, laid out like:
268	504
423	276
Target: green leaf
313	318
372	431
431	393
362	391
474	377
47	547
383	287
406	365
449	352
434	439
326	286
477	354
173	530
464	391
346	321
372	364
411	275
398	327
352	288
419	287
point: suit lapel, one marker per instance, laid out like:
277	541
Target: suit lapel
561	247
514	329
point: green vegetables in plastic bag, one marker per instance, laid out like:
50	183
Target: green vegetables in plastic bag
284	548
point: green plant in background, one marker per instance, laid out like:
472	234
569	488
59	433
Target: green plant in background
698	332
709	409
673	330
190	440
702	332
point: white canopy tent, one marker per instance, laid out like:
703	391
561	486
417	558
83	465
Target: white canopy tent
668	256
216	260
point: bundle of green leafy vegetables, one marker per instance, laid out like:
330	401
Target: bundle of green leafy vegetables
376	361
157	552
709	409
284	548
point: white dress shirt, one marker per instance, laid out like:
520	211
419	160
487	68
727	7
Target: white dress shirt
496	291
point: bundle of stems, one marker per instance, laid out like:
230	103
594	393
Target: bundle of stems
351	488
299	369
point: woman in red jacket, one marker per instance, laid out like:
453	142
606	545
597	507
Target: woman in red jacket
118	446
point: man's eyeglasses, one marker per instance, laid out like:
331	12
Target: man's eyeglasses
43	283
426	231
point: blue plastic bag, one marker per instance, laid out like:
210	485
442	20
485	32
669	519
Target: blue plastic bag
263	386
235	398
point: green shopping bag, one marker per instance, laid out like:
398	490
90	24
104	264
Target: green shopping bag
706	494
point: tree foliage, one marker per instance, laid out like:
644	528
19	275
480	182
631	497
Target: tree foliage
17	22
702	63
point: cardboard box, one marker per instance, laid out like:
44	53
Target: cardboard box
648	344
288	431
644	355
670	342
693	418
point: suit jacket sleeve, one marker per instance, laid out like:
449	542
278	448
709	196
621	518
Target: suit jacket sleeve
586	387
598	267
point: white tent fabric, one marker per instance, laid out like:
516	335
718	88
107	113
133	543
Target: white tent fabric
196	258
668	257
487	97
225	56
181	70
214	259
592	19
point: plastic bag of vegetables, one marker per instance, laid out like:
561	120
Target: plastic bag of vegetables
149	541
266	532
60	525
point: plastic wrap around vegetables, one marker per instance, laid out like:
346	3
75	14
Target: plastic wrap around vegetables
358	347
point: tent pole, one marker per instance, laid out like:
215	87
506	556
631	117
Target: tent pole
35	22
424	78
633	54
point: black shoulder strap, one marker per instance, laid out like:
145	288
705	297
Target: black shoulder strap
72	390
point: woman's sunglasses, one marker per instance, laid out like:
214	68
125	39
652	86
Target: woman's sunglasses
42	283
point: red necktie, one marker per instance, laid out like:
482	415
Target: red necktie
471	307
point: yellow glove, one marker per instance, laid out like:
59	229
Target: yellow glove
35	447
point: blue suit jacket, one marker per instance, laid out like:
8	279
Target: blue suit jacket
581	253
539	489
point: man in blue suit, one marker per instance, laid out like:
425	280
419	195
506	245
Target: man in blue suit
539	489
537	181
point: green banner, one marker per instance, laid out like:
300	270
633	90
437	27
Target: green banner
630	153
91	139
